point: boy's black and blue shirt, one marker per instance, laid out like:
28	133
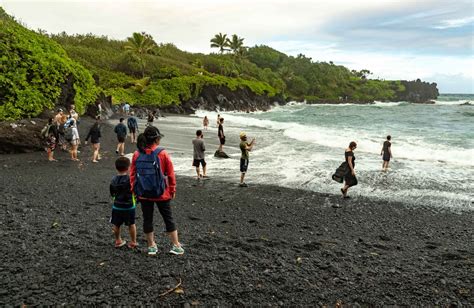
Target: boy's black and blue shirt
121	192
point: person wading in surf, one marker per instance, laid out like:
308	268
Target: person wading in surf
350	176
386	153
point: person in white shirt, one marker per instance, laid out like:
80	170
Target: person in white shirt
75	140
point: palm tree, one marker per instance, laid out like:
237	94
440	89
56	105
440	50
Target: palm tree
236	44
140	44
286	73
220	41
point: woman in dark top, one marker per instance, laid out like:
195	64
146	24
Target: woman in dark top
94	134
350	177
386	153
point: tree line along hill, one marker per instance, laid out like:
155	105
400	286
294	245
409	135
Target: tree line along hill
40	70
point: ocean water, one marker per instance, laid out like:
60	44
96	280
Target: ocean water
301	145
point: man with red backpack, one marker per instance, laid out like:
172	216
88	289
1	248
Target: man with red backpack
153	181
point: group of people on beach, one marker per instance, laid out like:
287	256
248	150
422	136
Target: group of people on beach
149	177
199	149
346	172
61	131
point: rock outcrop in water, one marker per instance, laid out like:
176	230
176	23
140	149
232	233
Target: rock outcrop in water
418	92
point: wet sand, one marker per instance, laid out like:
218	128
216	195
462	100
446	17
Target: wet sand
255	246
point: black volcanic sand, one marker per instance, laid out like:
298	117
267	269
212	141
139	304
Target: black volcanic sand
262	245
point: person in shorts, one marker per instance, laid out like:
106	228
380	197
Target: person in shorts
132	127
220	134
386	153
245	148
123	209
198	154
75	141
121	131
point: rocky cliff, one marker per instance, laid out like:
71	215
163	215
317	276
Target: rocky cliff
418	91
222	98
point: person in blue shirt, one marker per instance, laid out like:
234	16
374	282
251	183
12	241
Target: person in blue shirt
123	209
121	131
132	128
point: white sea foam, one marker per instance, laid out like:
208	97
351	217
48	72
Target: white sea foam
451	103
305	155
412	148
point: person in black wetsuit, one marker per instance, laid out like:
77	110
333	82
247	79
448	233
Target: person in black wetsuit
94	134
386	153
350	176
220	134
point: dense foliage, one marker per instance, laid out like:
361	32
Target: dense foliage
33	70
34	67
176	74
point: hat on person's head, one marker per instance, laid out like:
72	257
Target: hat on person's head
60	110
151	132
242	135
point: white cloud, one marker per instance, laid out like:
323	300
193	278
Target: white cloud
339	30
455	23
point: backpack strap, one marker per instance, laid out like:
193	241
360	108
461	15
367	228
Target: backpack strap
155	155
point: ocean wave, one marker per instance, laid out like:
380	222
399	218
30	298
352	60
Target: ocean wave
453	103
405	147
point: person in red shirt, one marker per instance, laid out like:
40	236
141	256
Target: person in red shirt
147	143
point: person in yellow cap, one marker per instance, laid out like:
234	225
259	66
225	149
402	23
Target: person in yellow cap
244	159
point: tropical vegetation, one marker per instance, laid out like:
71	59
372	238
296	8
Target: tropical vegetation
34	66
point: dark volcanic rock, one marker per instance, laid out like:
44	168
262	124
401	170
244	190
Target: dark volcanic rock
259	246
21	136
418	91
215	98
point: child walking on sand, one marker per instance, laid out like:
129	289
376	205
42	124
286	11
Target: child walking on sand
123	209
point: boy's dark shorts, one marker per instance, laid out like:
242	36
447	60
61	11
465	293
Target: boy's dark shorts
222	140
120	217
196	163
244	164
132	130
121	139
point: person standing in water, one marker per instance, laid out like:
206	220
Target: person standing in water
220	134
205	122
244	159
218	120
350	176
386	153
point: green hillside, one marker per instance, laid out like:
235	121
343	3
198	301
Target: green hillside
36	68
33	70
173	74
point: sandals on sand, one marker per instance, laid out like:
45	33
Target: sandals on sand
119	244
344	192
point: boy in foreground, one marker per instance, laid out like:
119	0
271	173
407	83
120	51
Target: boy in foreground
244	159
123	209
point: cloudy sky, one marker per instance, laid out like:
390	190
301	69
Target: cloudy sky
396	39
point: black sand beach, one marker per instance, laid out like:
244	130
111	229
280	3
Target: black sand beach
256	246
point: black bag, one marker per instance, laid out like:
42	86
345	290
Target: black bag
341	171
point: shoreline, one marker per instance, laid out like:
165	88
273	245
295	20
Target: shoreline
261	245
